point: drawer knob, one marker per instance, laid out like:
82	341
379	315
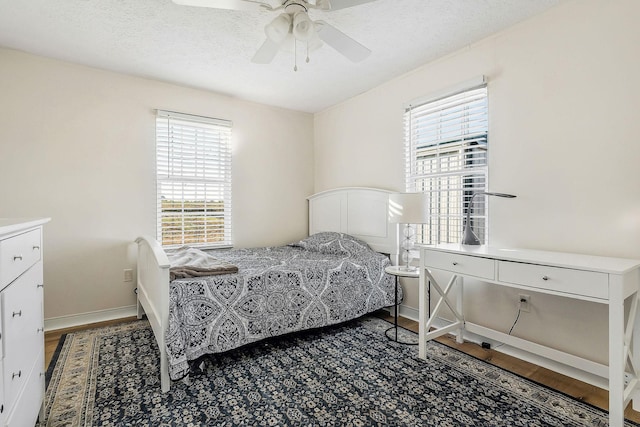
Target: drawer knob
454	263
40	286
17	257
36	248
19	374
545	277
40	329
17	313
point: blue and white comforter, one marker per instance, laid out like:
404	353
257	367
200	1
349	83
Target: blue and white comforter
325	279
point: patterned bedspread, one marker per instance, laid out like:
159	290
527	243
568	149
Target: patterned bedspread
322	280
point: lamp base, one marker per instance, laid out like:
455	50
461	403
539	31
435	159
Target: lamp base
408	268
469	237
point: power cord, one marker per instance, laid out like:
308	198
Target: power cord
514	322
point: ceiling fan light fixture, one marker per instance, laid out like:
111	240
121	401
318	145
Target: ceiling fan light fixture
278	29
303	28
323	4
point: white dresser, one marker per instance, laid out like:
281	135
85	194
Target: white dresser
22	379
610	281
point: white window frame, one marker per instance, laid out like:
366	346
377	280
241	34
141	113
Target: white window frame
446	152
193	180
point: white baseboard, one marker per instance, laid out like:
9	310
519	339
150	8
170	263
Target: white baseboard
71	321
409	313
404	311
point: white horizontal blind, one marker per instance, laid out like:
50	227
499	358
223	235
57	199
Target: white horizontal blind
446	157
193	159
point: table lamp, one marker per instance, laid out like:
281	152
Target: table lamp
468	236
408	209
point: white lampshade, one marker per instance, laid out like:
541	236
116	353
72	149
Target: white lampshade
408	208
303	28
278	29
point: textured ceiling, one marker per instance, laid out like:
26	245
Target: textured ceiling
212	48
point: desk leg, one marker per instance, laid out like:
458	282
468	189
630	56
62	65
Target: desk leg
459	306
635	347
616	354
443	300
422	315
429	296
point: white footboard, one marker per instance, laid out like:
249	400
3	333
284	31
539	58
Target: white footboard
153	296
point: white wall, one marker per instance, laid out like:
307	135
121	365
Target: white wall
77	145
564	98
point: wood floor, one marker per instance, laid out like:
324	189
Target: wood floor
577	389
51	338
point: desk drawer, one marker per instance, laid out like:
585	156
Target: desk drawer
17	254
463	264
587	283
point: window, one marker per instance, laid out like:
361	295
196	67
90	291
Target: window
446	157
193	159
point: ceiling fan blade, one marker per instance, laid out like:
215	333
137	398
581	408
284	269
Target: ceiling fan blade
343	4
266	52
225	4
341	42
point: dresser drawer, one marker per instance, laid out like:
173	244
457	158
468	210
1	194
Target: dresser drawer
464	264
5	409
17	254
578	282
25	412
22	330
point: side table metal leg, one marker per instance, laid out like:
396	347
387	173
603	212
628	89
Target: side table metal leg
396	309
408	339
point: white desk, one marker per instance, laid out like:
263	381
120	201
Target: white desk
610	281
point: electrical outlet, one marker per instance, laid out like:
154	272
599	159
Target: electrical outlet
128	275
524	303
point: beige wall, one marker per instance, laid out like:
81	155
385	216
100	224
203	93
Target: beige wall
77	145
564	97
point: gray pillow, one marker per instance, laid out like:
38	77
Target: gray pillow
333	243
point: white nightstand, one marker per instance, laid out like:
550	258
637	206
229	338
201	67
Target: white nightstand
400	271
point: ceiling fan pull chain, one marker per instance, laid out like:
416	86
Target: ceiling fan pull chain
295	55
307	52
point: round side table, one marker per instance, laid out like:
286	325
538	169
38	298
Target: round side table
400	271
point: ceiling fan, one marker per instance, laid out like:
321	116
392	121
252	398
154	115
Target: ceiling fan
293	25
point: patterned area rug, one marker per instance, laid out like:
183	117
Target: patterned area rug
348	374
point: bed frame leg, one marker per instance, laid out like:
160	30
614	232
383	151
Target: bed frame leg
165	381
165	384
139	310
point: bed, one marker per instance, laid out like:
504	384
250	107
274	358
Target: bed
335	275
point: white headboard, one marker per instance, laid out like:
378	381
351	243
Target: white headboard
360	212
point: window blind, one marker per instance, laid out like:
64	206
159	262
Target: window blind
193	161
446	157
